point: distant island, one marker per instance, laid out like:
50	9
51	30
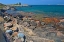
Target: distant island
18	4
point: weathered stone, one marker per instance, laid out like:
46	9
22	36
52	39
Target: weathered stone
31	41
7	24
8	38
51	34
2	27
57	40
32	27
62	20
29	31
21	29
42	23
20	35
9	31
20	22
14	21
33	23
61	24
14	33
18	40
48	27
6	18
59	34
26	24
1	19
24	18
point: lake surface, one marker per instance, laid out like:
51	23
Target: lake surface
50	10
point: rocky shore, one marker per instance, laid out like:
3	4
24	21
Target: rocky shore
25	27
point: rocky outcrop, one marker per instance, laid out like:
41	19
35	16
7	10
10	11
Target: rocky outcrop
32	30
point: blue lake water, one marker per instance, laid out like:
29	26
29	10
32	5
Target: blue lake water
50	10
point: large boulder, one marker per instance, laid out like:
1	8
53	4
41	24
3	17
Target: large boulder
15	29
9	31
7	24
6	18
14	21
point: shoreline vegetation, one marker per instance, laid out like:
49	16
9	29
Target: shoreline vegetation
2	5
29	27
17	4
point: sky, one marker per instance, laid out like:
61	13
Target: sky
33	2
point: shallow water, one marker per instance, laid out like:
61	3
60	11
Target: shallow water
50	10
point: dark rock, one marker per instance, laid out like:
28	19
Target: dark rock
9	32
8	38
19	16
7	18
12	8
2	10
2	38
